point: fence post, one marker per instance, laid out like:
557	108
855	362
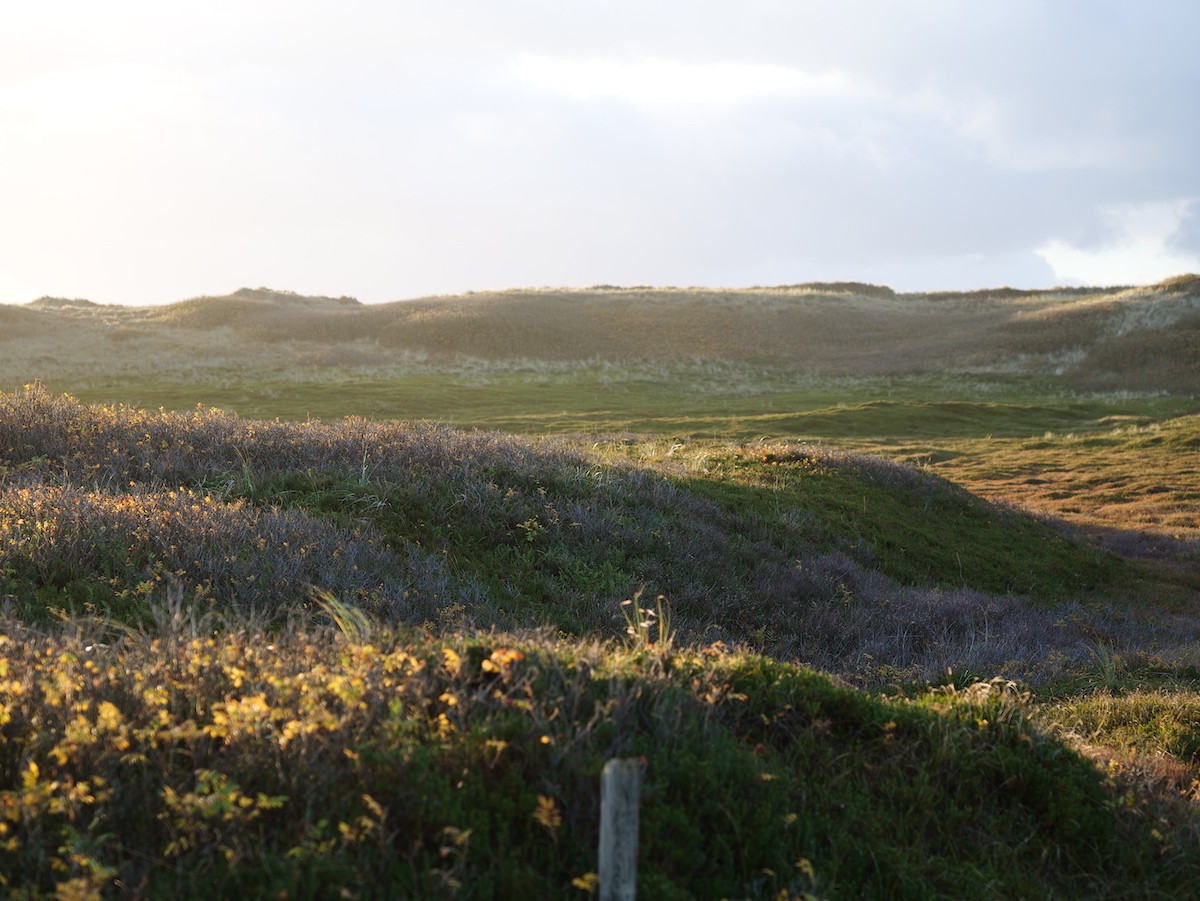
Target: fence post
620	792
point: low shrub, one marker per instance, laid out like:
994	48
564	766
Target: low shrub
393	764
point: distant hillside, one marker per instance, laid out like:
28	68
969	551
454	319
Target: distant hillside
1138	339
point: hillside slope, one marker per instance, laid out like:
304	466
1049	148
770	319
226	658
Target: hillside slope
831	558
1143	339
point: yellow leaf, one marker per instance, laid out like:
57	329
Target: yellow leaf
108	717
374	806
588	882
547	813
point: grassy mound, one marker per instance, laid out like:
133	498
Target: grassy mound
828	557
915	528
1187	283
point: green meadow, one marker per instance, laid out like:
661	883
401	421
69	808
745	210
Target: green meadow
891	596
686	402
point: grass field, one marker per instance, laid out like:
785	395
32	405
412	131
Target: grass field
680	401
298	655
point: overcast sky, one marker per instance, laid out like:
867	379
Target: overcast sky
153	151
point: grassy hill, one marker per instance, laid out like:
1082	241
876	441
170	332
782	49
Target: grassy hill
786	362
911	589
420	524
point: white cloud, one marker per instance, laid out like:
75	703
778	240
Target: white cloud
385	149
1014	135
670	83
81	99
1141	253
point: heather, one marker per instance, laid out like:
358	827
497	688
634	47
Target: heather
380	659
850	563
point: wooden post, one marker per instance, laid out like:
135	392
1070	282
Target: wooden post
620	792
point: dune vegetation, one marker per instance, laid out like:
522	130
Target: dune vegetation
931	633
830	361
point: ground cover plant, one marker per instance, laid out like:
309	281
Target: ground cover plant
830	557
311	761
831	361
261	657
306	658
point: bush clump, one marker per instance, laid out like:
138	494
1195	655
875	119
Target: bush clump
385	763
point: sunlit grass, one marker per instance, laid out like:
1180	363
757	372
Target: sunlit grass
1133	485
695	402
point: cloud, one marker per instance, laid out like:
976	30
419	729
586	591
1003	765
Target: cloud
1141	249
1012	136
109	97
391	149
663	83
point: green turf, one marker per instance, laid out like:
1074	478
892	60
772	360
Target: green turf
682	402
920	533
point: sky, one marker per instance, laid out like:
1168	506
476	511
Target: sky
153	151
